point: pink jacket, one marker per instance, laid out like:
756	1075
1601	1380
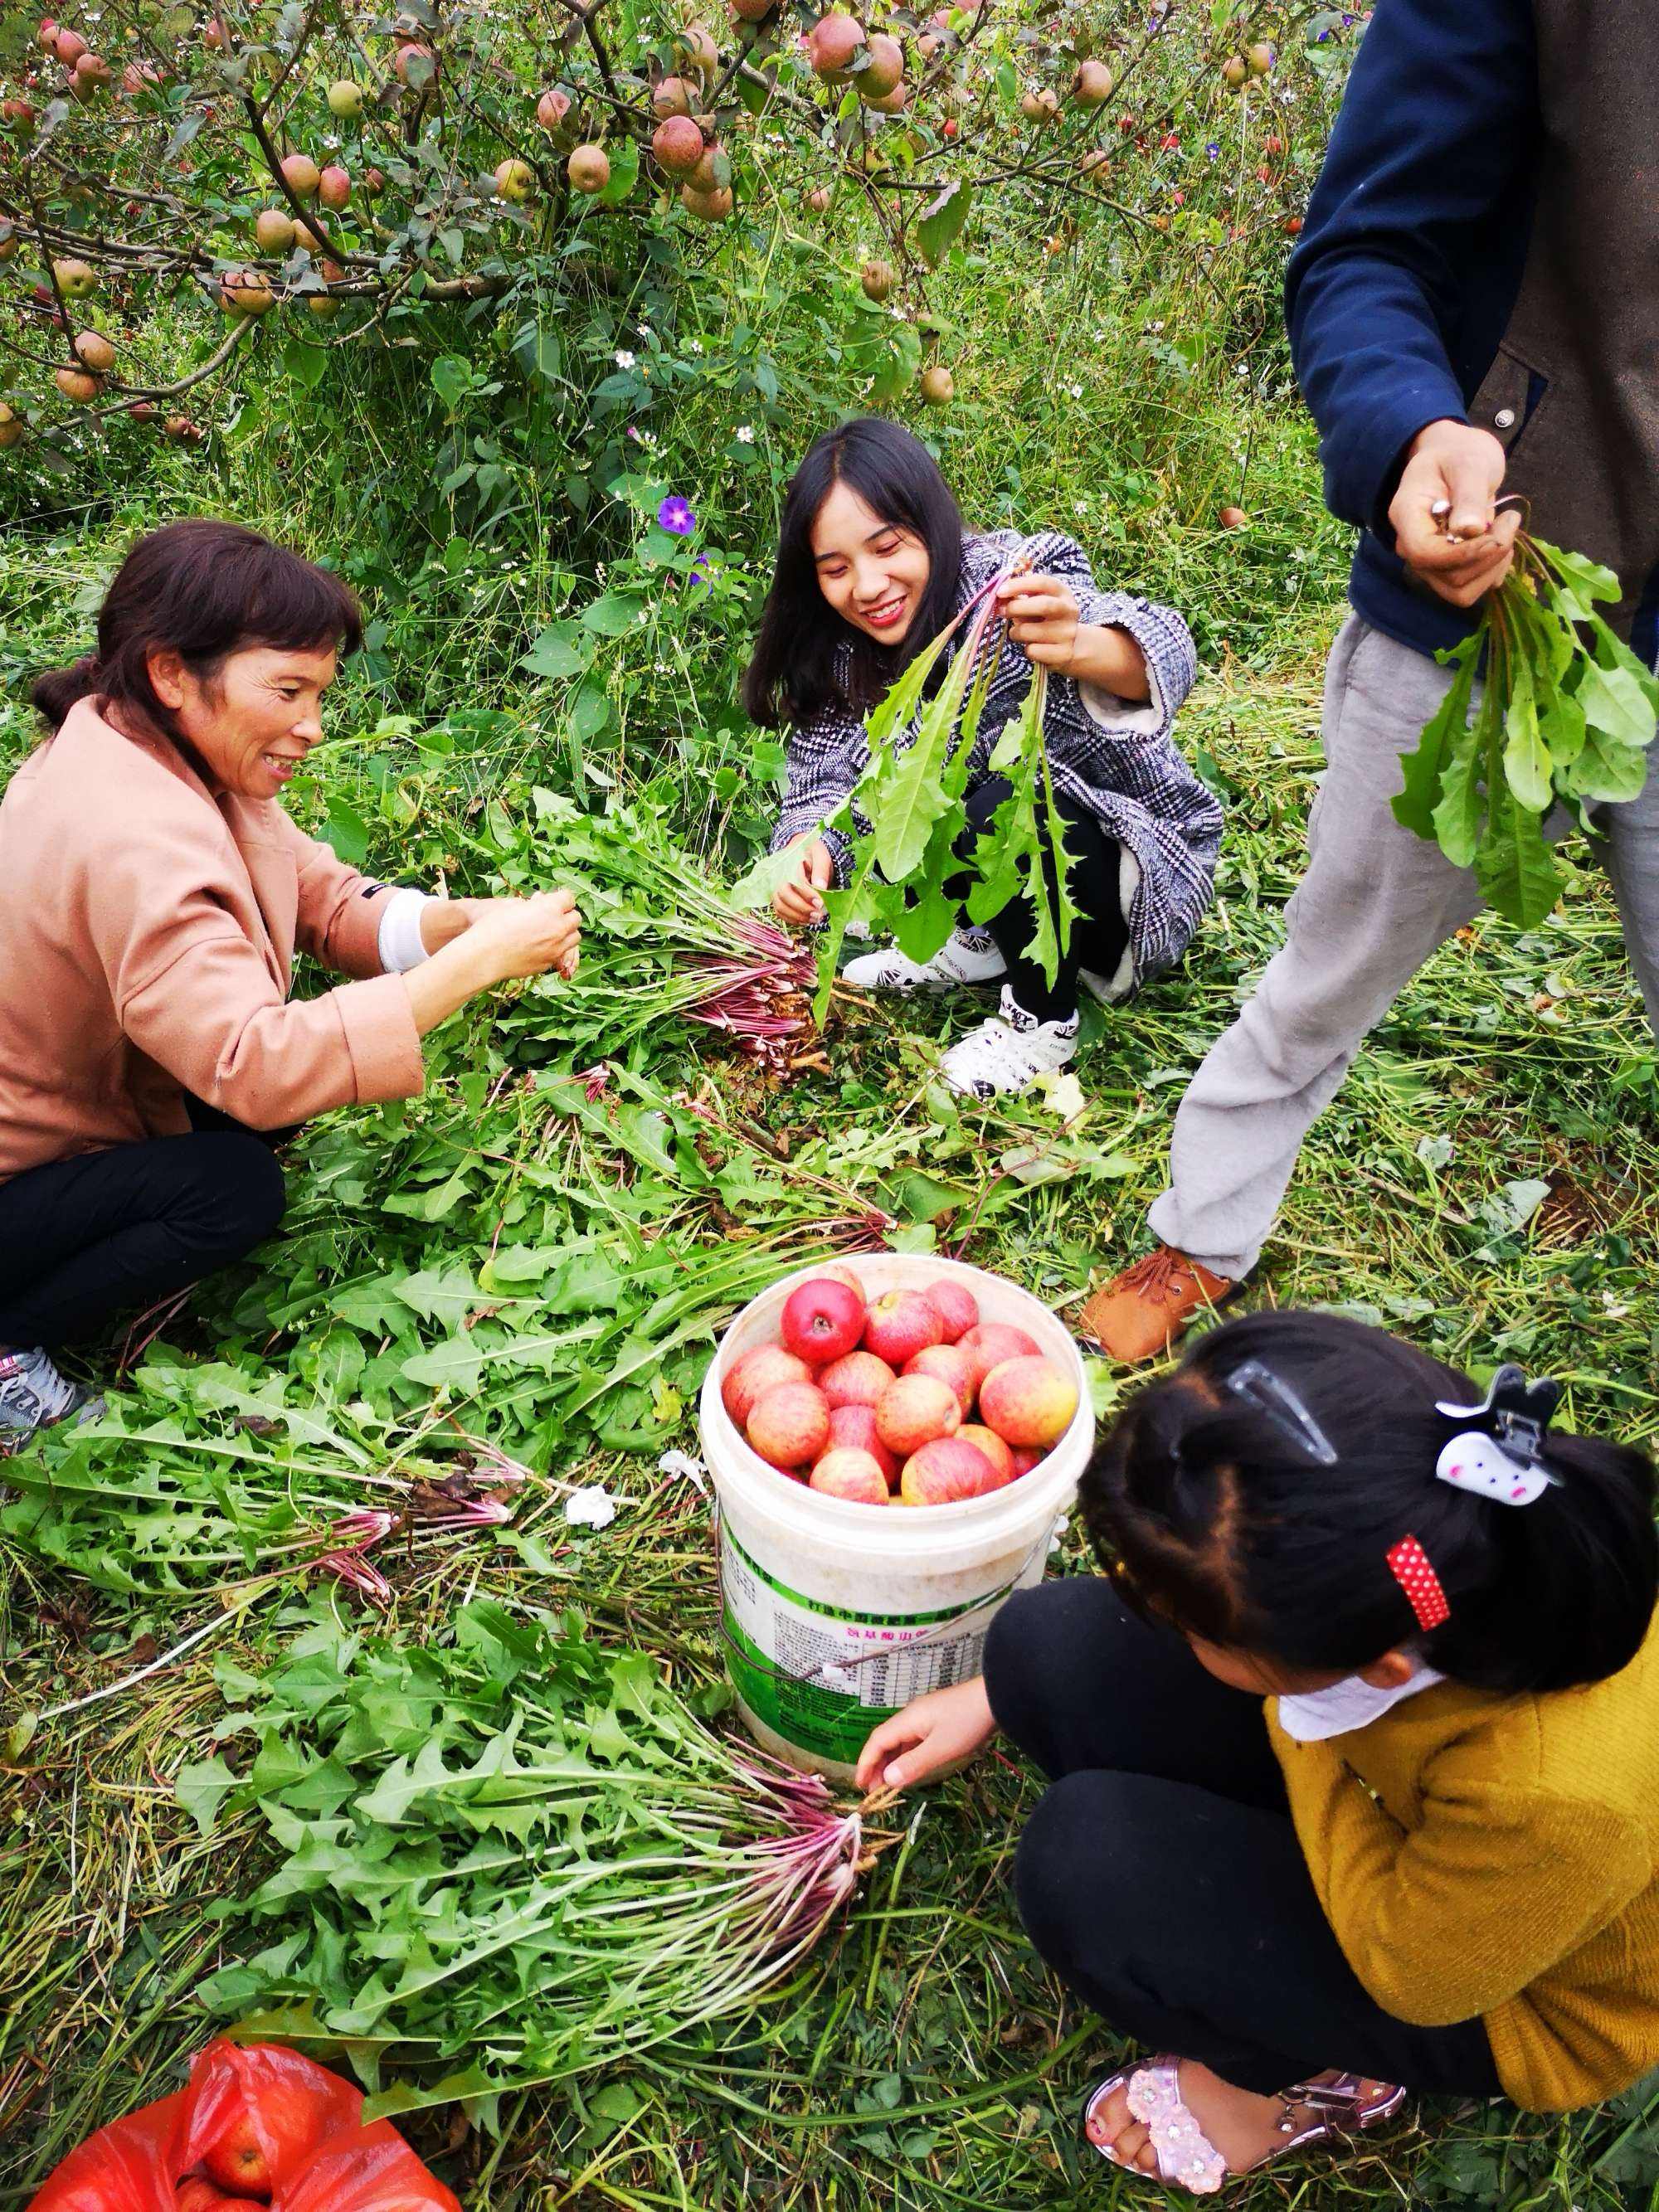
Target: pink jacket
148	927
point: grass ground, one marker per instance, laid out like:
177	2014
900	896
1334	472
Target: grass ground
1484	1183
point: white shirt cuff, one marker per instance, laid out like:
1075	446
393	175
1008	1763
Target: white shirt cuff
399	941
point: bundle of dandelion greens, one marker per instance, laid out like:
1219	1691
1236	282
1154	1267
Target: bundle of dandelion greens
907	811
1561	716
660	942
507	1856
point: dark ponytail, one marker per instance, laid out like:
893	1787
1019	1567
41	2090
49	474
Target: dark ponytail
803	645
204	590
1214	1515
55	690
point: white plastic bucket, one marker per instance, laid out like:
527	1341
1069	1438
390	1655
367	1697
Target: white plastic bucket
835	1614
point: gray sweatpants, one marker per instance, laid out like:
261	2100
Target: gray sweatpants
1376	902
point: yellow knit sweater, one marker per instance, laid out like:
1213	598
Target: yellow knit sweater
1477	1854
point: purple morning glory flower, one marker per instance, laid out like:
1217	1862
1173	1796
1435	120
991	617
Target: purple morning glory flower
676	517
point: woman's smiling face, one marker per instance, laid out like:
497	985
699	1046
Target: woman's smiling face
872	572
258	717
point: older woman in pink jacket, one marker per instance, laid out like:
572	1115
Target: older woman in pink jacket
153	892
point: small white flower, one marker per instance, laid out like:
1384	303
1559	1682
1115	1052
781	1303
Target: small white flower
1079	507
1076	390
694	345
590	1507
624	359
745	433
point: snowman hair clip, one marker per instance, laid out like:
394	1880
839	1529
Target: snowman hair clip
1501	1456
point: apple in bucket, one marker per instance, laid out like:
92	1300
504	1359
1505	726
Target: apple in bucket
789	1427
945	1470
853	1427
823	1321
1027	1402
915	1411
857	1380
899	1324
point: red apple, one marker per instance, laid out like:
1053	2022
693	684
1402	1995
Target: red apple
1027	1402
857	1380
989	1442
196	2194
913	1411
899	1324
956	1306
1025	1457
953	1366
945	1470
853	1475
992	1342
789	1425
763	1369
823	1321
258	2154
852	1428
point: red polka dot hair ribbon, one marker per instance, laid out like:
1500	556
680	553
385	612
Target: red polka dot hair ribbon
1409	1563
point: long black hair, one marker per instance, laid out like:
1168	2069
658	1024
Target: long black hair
203	589
1211	1513
792	674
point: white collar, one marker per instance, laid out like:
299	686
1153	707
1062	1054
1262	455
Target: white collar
1346	1705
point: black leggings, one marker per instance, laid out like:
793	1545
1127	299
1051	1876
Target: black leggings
1160	1875
1100	934
85	1238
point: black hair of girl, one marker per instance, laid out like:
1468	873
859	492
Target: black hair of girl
1210	1516
203	589
792	673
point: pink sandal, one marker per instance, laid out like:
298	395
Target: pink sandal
1185	2154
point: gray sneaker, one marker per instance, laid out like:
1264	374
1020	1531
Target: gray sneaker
34	1395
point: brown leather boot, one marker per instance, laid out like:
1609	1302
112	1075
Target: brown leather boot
1141	1312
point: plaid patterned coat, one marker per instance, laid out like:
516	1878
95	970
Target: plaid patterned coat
1115	758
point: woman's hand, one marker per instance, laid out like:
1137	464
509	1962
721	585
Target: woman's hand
1043	617
942	1730
527	935
1046	622
796	899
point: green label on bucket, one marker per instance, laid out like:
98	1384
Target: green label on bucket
822	1676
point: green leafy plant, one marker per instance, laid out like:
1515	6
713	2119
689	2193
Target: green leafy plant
907	811
508	1848
1558	717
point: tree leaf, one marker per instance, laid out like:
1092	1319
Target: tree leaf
941	220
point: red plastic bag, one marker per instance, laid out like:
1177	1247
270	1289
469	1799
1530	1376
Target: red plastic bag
265	2121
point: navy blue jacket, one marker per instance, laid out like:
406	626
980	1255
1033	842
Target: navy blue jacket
1410	263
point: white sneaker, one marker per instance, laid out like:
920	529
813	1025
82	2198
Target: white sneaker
970	956
34	1395
1009	1052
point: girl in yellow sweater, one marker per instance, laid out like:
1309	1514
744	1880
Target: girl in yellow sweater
1354	1755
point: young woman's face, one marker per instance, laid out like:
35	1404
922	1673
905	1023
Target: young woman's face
872	572
257	720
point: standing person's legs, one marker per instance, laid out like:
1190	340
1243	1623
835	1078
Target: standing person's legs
1376	902
1633	861
84	1238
